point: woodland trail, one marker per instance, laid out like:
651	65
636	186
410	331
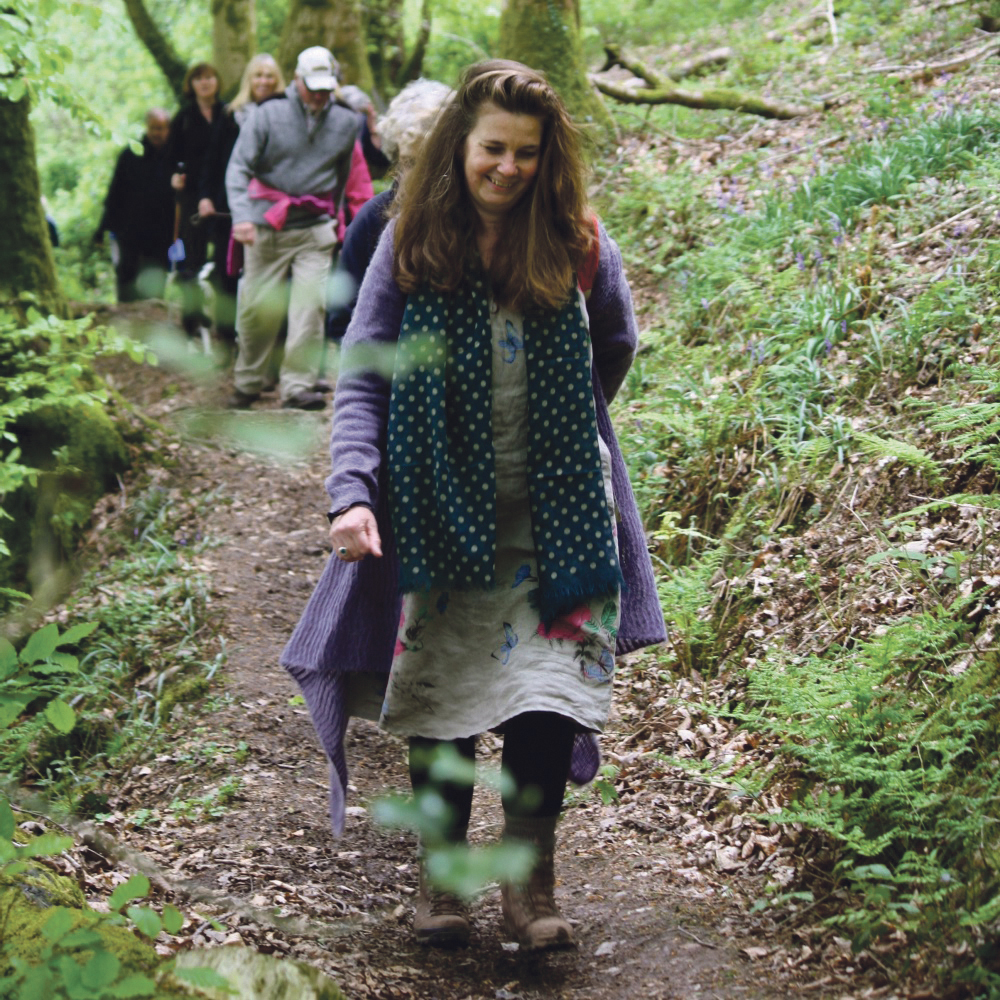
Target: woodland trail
266	868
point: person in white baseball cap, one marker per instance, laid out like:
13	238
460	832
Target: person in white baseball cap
317	68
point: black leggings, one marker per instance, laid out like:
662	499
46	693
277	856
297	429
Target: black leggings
536	755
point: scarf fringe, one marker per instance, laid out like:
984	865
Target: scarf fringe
553	602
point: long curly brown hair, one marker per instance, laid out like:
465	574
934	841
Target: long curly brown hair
549	231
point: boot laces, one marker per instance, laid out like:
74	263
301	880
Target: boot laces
442	903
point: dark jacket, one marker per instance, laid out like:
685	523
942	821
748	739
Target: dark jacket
190	136
359	247
139	207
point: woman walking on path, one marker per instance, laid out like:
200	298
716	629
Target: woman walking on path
190	135
484	482
261	81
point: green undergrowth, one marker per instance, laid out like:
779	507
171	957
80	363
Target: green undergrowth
895	757
824	364
147	651
61	447
53	945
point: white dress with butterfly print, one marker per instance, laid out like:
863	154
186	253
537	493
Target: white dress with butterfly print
466	661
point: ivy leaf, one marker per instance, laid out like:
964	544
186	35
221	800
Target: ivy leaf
77	632
11	706
60	715
102	970
81	938
204	978
132	986
58	925
147	921
42	643
135	888
8	658
173	919
45	846
872	871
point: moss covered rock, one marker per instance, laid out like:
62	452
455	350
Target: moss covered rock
261	977
81	453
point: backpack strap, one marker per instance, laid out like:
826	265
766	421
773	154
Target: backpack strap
585	276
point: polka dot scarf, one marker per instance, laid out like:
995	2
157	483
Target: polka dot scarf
440	452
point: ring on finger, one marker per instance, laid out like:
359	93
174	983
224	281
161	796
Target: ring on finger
342	551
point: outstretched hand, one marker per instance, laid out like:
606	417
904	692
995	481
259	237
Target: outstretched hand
354	535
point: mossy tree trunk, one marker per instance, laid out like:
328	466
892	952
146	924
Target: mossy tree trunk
26	263
545	34
392	67
333	23
234	40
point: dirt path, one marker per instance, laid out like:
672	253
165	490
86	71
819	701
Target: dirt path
649	923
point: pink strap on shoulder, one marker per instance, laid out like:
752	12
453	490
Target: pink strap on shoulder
585	276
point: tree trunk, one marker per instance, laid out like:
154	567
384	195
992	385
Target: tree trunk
159	46
392	68
234	40
26	263
333	23
545	34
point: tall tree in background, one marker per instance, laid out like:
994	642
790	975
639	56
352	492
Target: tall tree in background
160	47
391	65
26	263
234	35
545	34
335	24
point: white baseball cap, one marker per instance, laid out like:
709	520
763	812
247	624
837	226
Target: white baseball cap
317	68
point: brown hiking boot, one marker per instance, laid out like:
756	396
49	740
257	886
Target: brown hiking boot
530	914
441	918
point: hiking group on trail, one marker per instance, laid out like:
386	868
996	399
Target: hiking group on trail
269	183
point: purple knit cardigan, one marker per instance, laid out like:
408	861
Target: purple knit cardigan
349	625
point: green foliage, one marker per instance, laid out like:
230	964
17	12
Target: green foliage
37	676
55	438
455	867
902	784
80	954
150	632
973	427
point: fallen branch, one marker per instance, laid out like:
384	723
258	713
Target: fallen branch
802	24
697	64
927	70
832	21
942	225
945	4
661	90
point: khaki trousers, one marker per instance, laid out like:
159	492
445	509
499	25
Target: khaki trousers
266	295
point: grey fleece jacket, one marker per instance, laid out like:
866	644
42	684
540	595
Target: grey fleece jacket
286	148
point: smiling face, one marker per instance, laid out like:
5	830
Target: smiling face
263	82
501	159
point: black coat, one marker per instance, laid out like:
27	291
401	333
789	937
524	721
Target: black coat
139	207
190	138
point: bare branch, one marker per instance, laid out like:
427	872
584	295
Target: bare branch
832	21
159	46
695	65
411	69
926	70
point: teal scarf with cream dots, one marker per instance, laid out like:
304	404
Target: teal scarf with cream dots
441	462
